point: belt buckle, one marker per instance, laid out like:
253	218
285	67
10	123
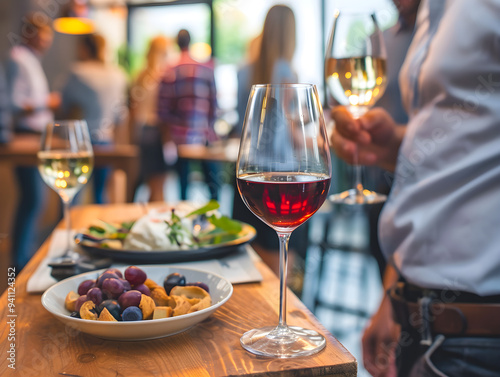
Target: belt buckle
426	332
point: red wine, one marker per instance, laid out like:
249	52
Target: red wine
283	200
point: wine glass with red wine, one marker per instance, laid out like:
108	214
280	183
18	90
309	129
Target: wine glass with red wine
283	174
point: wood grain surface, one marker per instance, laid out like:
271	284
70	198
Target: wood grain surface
46	347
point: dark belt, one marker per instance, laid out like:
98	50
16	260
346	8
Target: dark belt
431	313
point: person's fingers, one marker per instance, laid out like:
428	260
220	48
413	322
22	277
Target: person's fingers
392	371
374	117
345	124
369	349
349	151
378	125
344	148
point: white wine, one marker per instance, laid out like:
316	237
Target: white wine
65	172
356	82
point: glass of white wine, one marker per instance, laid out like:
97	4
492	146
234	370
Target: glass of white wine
66	160
355	75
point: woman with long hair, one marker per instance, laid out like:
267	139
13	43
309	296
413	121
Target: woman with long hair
273	63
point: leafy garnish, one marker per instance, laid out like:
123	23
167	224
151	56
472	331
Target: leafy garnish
177	230
210	206
225	223
111	231
127	224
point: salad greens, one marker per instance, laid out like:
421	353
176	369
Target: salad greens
207	228
224	228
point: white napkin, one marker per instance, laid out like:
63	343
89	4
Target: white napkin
237	267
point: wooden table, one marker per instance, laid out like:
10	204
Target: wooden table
23	149
45	347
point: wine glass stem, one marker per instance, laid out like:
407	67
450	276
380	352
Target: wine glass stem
67	220
358	183
357	112
283	238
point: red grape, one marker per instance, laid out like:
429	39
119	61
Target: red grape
143	289
130	298
79	302
105	275
126	284
95	295
112	288
135	275
115	271
84	286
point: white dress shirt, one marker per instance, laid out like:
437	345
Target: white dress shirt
441	223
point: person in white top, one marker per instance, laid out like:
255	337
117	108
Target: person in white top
32	102
32	107
439	227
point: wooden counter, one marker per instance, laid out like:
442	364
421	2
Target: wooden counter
23	149
45	347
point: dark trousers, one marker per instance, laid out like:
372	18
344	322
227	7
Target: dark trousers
31	197
210	171
456	356
100	177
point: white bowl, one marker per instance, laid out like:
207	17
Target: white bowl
220	291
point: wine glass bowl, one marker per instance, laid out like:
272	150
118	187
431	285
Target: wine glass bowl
283	174
355	77
66	161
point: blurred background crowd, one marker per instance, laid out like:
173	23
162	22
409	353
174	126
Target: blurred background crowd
155	74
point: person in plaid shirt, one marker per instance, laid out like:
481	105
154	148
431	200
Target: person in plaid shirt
187	106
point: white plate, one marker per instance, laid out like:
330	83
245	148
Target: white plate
220	291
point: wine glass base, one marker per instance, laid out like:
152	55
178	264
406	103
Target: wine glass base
63	261
354	197
283	343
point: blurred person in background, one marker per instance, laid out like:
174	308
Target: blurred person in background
5	113
96	91
270	62
144	118
32	106
269	57
187	109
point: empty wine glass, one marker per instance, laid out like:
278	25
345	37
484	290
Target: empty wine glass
355	75
283	175
66	161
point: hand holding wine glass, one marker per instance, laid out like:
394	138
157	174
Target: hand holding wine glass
355	77
283	175
375	143
66	161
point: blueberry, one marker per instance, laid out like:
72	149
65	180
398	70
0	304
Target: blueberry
113	307
132	313
173	280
